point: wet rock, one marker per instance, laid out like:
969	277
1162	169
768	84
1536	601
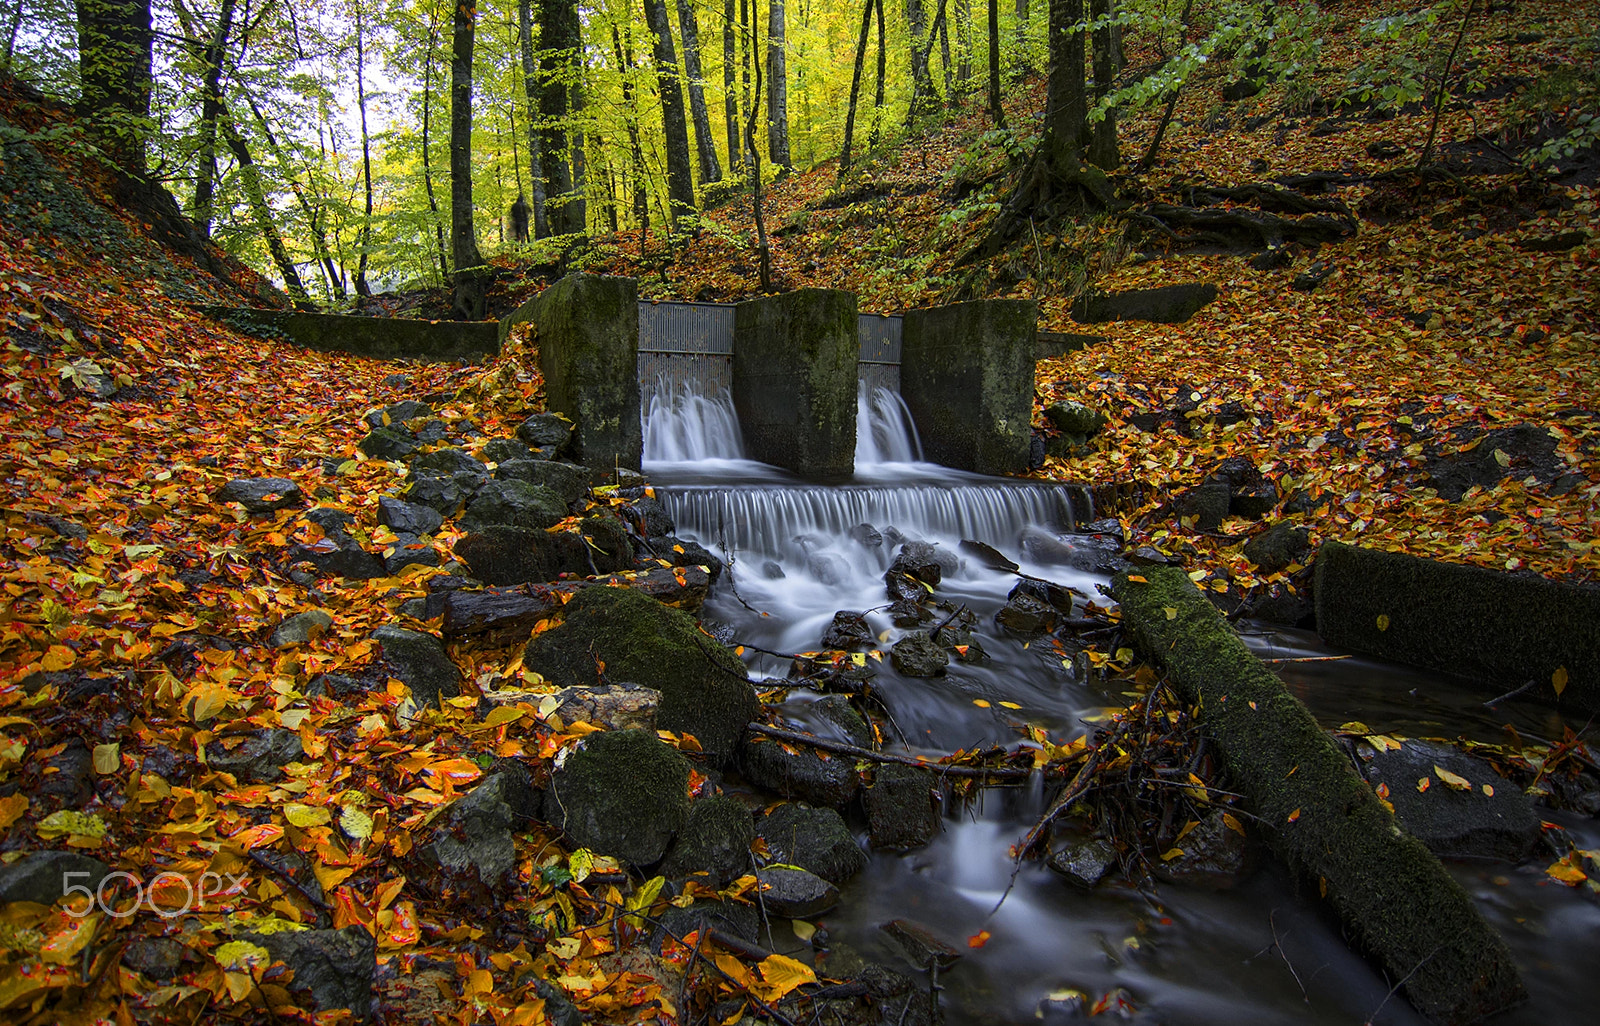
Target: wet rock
795	893
612	706
715	840
408	550
1091	553
649	516
514	504
567	480
398	413
420	661
300	629
339	555
335	967
444	495
157	958
918	655
503	555
388	443
1522	450
1313	276
703	687
829	569
1026	616
1074	418
682	552
1253	501
472	841
810	774
772	571
545	431
1208	503
506	450
1085	864
1146	555
1169	304
1490	818
814	839
903	588
262	495
407	517
1056	596
1273	258
866	535
918	559
849	630
621	793
1278	547
903	807
1214	855
449	463
42	876
920	944
729	917
1282	604
988	556
606	544
259	758
70	775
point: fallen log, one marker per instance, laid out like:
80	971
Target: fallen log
502	612
1239	226
1397	903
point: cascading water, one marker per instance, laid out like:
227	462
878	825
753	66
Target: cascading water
682	425
885	432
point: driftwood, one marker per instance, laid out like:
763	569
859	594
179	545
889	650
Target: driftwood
502	612
841	748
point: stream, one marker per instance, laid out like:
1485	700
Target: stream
1259	953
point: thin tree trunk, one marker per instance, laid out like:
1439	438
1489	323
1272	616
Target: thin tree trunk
469	298
777	86
630	112
922	101
205	182
1103	150
763	247
730	78
705	144
964	46
943	28
996	111
680	174
313	214
578	204
744	55
878	95
11	37
365	237
530	89
560	63
115	45
263	213
855	87
427	167
1444	84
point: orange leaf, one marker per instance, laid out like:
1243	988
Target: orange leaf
978	939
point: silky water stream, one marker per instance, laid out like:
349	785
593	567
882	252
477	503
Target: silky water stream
1260	953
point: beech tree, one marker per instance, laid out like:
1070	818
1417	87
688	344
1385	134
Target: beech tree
705	145
469	292
680	176
777	87
114	62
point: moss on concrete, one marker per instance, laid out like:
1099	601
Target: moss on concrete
1396	900
384	338
1503	629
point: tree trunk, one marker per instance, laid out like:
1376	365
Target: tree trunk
427	167
996	111
313	214
1103	150
763	247
469	293
680	175
205	182
883	68
114	58
365	238
922	99
942	26
855	87
730	77
263	214
777	86
577	210
630	112
745	48
964	46
11	37
560	65
1067	101
530	89
705	144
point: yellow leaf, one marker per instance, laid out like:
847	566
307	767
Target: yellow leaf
1567	872
1170	854
802	929
1383	621
106	759
1423	784
1232	823
858	658
11	809
980	703
242	955
1010	705
644	897
82	829
1455	780
307	815
781	974
59	657
63	947
565	947
1294	815
1138	578
1171	611
580	864
356	824
239	985
1558	680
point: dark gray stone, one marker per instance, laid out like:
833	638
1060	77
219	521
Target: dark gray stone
795	893
408	517
545	431
502	555
408	550
920	944
262	495
506	450
1074	418
420	661
300	628
1499	823
902	807
259	759
732	918
1214	855
606	544
388	443
918	655
444	495
472	840
514	504
715	840
71	776
1278	546
1208	503
448	463
567	480
794	380
622	793
336	967
848	630
810	774
41	876
814	839
866	535
1085	864
967	377
157	958
682	552
1169	304
1253	501
382	338
339	557
398	413
1026	616
918	559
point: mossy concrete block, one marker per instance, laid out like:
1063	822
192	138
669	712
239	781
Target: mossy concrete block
1396	901
588	335
704	690
966	374
382	338
1503	629
794	380
622	793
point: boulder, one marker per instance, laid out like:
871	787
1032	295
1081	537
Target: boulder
1074	418
506	450
795	893
606	545
339	556
398	413
259	759
622	793
514	504
545	431
501	555
682	552
729	917
335	967
1026	616
813	839
649	516
262	495
1212	855
567	480
472	842
612	706
43	876
408	517
920	944
1091	553
918	655
444	495
849	630
866	536
157	958
388	443
715	840
902	807
919	559
420	661
703	687
1486	817
1085	864
1208	503
300	629
810	774
69	774
449	463
1278	547
1169	304
408	550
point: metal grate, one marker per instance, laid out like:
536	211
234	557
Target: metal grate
880	339
705	328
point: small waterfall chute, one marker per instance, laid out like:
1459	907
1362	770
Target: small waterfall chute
682	424
885	432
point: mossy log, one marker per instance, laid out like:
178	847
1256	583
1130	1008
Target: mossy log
1397	902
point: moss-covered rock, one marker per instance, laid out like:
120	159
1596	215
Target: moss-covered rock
815	840
715	841
703	687
622	793
514	504
1397	902
797	771
902	807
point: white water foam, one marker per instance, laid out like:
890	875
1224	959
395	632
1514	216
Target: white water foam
885	432
681	425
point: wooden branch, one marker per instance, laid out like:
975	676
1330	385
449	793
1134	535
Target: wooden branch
841	748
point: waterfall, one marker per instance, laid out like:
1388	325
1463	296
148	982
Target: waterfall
682	425
885	432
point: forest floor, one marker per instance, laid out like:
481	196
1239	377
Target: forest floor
138	608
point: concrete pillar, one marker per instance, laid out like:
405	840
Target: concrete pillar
966	374
794	380
588	340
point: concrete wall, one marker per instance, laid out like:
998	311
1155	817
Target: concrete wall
383	338
588	341
794	380
966	375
